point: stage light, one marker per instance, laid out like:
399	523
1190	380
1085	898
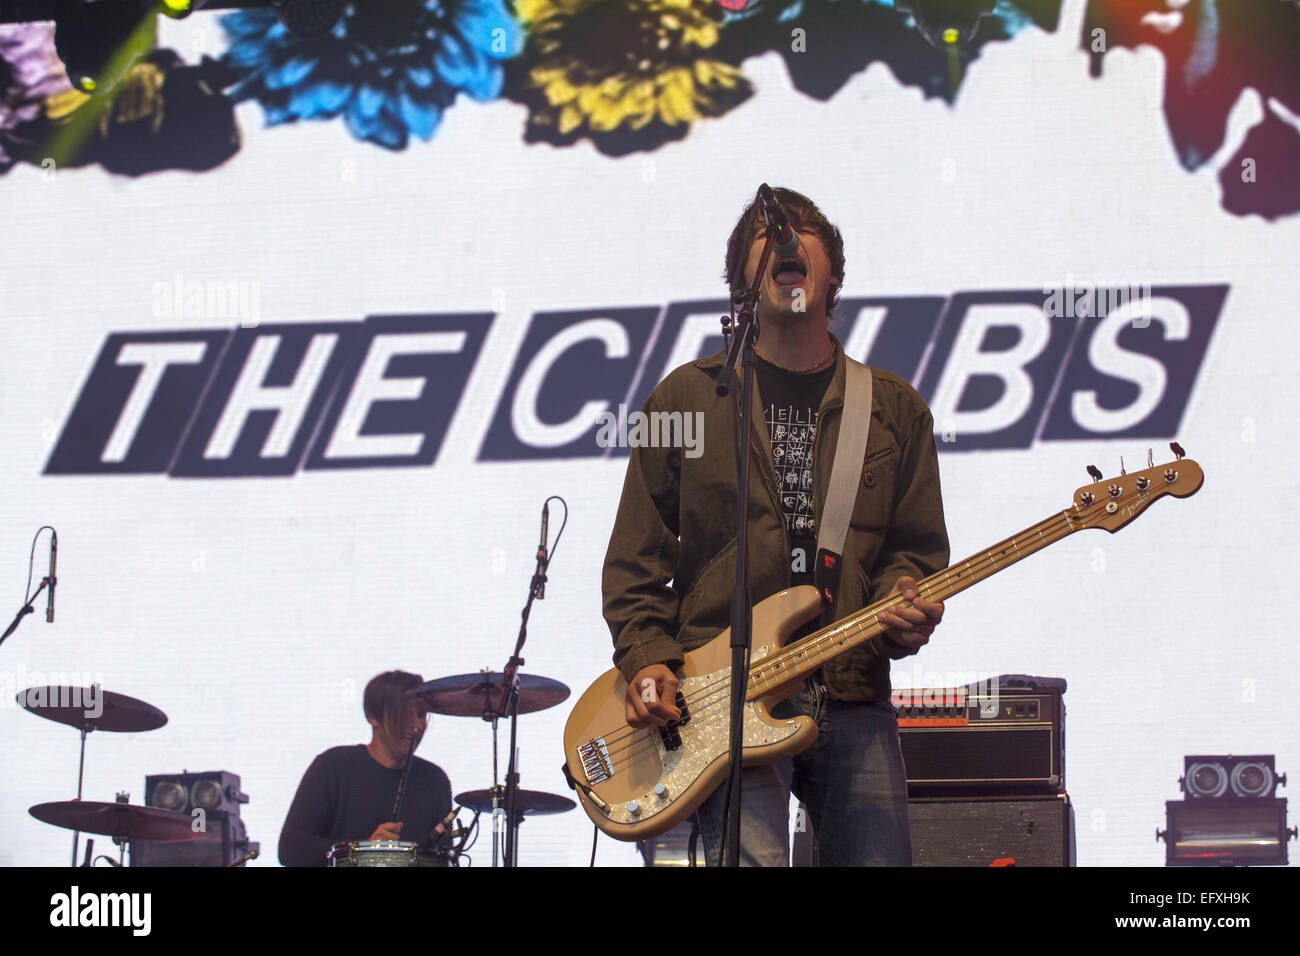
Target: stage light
946	24
1230	816
1252	780
1222	833
180	9
1205	780
1215	776
168	795
213	800
100	40
207	794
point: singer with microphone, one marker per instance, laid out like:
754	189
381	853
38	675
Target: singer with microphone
367	792
670	568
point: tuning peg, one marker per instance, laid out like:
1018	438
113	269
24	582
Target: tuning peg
1150	462
1094	472
1121	465
1177	449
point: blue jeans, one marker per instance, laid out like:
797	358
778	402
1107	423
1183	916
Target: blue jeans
851	781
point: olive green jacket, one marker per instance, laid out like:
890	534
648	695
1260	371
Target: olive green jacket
671	564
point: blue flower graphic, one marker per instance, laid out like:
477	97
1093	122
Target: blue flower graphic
389	67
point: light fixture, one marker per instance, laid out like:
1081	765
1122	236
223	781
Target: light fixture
1229	816
180	9
946	24
100	40
212	798
1223	776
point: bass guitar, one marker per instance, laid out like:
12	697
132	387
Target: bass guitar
638	783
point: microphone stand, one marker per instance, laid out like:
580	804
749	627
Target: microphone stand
509	707
47	581
24	611
741	348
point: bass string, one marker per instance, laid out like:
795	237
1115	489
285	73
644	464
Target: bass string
696	700
637	748
1057	527
699	703
702	698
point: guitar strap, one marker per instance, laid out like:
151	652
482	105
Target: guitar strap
846	473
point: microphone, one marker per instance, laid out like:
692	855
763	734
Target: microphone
541	552
787	240
440	829
54	553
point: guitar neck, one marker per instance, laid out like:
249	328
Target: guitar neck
796	662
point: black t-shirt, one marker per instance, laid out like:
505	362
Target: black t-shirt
790	404
345	794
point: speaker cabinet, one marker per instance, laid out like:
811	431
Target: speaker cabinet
992	831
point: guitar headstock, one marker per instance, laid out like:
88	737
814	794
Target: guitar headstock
1113	503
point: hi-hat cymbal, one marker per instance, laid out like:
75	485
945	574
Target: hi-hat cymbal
479	695
91	708
529	802
120	820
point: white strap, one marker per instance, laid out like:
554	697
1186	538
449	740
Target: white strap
850	452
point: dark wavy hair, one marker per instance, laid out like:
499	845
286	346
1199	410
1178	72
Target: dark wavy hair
802	213
385	697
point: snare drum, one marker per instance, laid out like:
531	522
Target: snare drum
380	853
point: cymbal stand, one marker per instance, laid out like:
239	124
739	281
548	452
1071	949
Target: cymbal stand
81	776
498	811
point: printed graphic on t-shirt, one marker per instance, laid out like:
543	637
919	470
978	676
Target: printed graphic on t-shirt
792	429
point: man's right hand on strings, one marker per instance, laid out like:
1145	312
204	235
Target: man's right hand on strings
650	704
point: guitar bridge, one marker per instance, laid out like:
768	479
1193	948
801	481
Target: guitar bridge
671	737
595	760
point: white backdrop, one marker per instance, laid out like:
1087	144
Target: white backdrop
252	610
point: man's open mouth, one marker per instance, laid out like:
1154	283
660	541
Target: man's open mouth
789	272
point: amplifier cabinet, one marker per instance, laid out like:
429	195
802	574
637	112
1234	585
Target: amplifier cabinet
1007	742
991	831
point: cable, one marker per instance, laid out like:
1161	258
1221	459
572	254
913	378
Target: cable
550	554
31	560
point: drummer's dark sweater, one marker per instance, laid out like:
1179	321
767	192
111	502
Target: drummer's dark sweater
346	794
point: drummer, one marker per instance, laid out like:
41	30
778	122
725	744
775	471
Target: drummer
348	793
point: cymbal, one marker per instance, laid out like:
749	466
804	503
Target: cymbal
531	802
91	708
122	820
479	695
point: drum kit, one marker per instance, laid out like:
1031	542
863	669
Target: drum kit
89	709
469	695
465	695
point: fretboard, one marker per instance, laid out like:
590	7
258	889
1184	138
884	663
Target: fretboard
796	662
